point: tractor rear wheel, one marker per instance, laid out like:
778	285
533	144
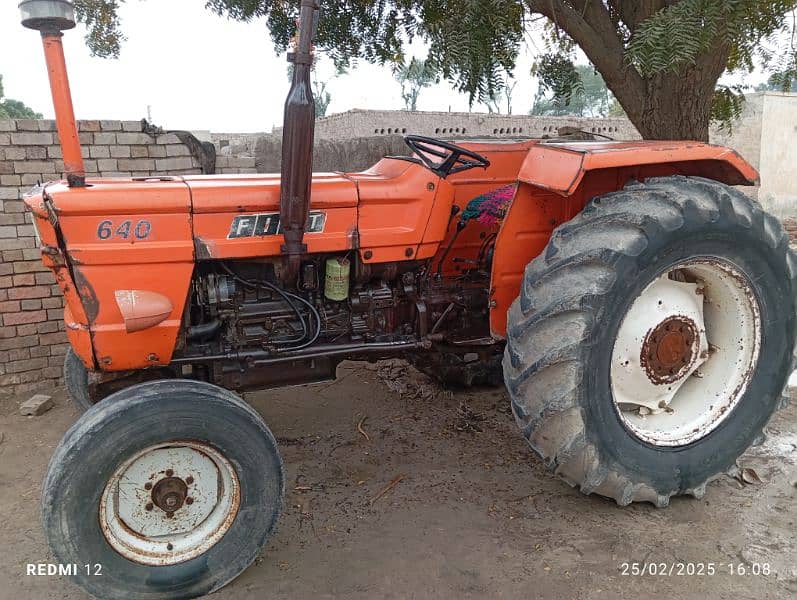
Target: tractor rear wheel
169	489
653	339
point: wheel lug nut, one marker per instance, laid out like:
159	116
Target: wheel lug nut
169	514
149	506
189	500
169	547
169	472
189	480
148	486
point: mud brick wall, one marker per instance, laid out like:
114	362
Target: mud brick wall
32	338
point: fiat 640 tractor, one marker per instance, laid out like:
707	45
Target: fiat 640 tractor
639	308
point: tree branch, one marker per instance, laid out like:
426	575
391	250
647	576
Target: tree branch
596	34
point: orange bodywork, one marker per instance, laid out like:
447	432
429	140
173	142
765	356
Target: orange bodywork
124	250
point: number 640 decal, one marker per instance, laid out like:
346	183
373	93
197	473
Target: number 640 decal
107	229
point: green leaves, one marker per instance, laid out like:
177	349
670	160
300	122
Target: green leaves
558	75
413	77
727	106
14	109
473	43
567	89
675	36
641	47
104	37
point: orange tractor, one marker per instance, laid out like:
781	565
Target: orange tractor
642	312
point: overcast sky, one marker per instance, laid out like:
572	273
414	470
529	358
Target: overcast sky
199	71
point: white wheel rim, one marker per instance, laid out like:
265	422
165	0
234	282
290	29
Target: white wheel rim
685	352
190	477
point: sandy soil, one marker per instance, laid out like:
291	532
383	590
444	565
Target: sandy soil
475	514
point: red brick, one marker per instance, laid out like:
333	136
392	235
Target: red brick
6	380
21	318
18	354
30	364
13	206
16	243
12	255
56	302
48	326
26	279
12	219
52	338
8	332
22	293
6	268
53	314
3	295
56	361
53	372
10	306
29	266
88	125
5	282
33	304
58	349
29	329
19	341
30	376
46	278
39	351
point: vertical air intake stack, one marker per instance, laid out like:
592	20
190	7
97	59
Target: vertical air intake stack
297	141
51	17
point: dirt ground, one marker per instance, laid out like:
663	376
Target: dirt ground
474	515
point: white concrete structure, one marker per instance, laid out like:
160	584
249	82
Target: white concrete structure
765	136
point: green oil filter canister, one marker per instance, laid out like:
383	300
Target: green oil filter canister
336	286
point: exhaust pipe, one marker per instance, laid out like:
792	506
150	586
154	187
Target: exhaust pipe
51	17
297	142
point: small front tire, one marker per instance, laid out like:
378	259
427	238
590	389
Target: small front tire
76	379
173	487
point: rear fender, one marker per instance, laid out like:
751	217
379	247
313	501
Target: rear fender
556	181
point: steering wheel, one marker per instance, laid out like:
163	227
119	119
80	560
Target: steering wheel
455	159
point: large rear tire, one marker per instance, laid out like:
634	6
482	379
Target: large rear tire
653	339
169	489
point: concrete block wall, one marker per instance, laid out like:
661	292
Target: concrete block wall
359	123
764	135
32	338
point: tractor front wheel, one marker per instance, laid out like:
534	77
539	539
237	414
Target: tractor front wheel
169	489
76	379
653	339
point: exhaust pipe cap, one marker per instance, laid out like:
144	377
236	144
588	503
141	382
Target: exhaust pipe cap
47	16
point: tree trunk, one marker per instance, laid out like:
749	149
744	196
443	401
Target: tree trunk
662	106
676	106
673	109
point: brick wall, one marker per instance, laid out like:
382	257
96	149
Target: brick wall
32	338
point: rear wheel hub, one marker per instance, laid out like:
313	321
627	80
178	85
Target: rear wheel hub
685	351
668	350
